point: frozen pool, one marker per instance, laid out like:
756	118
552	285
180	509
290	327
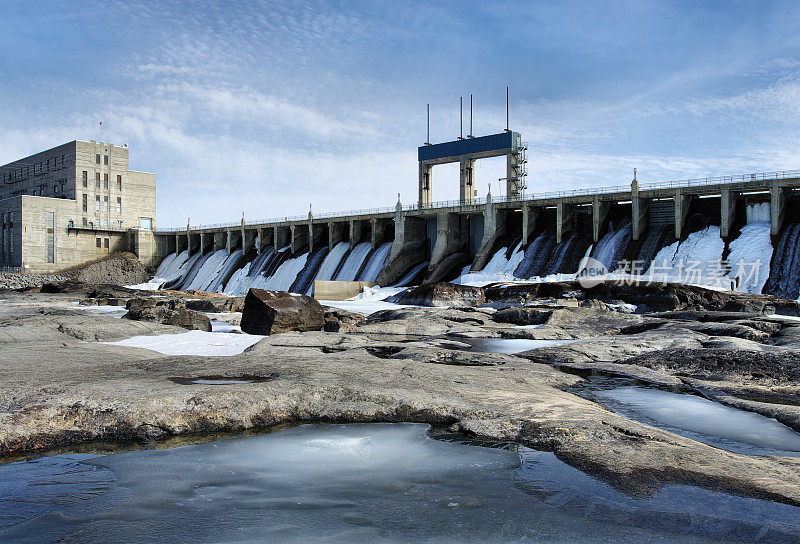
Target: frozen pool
357	483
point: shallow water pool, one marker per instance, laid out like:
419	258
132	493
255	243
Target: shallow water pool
357	483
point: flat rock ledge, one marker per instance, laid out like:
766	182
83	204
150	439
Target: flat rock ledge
60	387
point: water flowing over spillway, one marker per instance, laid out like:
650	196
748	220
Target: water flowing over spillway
536	257
784	279
747	263
611	248
354	262
305	277
284	275
375	263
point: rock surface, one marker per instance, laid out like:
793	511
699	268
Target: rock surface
167	312
274	312
58	386
440	294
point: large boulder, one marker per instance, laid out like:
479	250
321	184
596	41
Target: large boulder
168	312
273	312
338	320
216	304
440	294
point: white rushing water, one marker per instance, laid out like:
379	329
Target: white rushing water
239	282
355	259
757	213
499	268
173	267
750	256
209	271
694	261
284	276
375	263
330	264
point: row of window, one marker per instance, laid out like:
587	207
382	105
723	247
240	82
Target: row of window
85	180
85	203
97	159
39	168
90	224
104	241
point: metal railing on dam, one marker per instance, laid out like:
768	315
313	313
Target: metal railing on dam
643	187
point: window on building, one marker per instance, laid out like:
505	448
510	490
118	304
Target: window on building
97	203
97	240
105	181
119	182
55	189
85	222
85	178
105	159
119	224
105	203
119	206
51	236
105	223
97	180
85	202
97	160
105	243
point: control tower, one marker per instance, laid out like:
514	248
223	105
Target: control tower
466	151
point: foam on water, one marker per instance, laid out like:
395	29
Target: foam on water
750	256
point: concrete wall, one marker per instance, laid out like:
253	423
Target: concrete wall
339	290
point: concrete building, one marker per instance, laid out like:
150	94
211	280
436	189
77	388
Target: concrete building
71	204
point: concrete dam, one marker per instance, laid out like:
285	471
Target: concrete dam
743	230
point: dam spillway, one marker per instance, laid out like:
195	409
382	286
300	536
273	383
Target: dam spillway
724	220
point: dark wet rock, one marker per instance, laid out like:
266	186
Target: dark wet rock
440	294
338	320
167	312
759	367
522	316
452	357
219	304
654	297
273	312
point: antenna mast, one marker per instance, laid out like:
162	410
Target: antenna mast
428	140
507	125
460	117
470	117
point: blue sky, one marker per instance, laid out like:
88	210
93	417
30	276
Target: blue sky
267	107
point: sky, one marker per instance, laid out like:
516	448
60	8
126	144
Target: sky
267	108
